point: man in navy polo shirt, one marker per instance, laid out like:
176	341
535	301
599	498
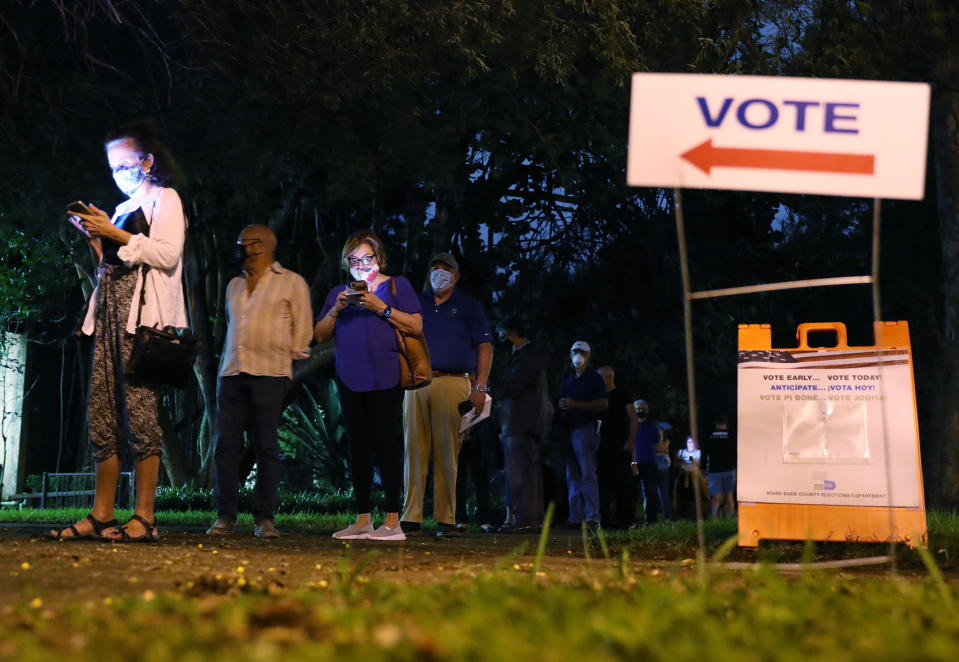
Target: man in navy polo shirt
461	351
583	403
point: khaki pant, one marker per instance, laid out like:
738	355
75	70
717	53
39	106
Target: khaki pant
431	421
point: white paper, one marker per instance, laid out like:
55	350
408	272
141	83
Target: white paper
471	418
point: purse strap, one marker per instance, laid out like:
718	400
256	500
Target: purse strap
144	268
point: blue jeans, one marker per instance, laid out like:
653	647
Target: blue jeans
581	474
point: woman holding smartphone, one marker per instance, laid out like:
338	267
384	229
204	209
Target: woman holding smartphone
362	318
139	256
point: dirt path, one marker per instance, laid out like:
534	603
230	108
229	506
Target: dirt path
188	562
78	572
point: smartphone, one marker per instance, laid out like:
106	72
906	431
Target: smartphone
78	207
355	289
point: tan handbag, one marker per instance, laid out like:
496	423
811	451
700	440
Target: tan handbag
415	369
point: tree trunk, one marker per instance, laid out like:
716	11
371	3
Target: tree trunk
944	446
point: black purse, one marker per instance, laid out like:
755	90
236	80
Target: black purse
160	357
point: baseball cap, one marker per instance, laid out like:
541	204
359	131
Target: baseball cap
446	259
581	345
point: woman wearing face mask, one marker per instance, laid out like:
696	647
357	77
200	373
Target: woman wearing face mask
368	376
139	255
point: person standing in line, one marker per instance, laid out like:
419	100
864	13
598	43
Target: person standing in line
362	318
461	350
269	318
523	417
648	440
688	477
616	433
139	257
664	473
719	454
583	402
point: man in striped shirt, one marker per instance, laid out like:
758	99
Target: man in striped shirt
269	324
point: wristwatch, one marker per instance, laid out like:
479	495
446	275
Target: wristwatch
481	389
386	313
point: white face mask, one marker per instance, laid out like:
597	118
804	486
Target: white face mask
579	361
440	279
368	274
129	180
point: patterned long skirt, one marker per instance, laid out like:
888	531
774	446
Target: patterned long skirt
120	413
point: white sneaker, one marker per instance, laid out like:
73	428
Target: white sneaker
355	532
386	533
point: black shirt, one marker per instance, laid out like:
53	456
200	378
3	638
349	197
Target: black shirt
719	451
615	427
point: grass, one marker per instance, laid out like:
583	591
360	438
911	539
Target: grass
506	614
302	521
519	609
663	541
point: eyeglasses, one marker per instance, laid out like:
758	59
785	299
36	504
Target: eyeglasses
126	166
240	242
123	168
365	260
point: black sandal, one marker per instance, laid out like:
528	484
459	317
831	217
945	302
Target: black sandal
150	531
98	528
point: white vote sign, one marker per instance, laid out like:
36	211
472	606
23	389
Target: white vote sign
792	135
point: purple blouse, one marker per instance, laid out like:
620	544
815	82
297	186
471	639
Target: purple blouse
367	358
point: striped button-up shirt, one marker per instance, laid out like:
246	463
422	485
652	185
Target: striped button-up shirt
269	328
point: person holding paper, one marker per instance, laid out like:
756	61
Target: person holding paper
523	408
461	350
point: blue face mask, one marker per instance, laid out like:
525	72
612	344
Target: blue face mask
128	180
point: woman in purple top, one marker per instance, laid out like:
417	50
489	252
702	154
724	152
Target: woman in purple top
360	318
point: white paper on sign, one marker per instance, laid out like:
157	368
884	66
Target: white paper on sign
471	418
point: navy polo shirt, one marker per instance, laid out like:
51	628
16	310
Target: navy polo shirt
453	329
586	387
647	437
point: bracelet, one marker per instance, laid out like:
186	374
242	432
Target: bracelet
386	313
481	389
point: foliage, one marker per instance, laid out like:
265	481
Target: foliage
494	128
312	440
316	501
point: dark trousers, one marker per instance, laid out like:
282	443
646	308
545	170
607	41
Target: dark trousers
616	504
524	479
473	463
666	492
649	478
373	427
254	404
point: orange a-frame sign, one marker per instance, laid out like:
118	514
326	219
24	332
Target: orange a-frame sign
828	441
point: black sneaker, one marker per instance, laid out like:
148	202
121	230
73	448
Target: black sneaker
411	528
447	531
